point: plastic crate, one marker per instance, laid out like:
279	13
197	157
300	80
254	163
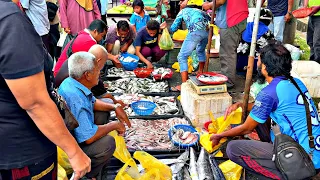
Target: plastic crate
309	73
143	108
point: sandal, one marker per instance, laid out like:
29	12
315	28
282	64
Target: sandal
176	89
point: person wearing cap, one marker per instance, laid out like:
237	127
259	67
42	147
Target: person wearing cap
264	33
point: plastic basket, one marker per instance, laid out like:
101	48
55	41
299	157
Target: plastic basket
184	128
142	72
129	66
143	108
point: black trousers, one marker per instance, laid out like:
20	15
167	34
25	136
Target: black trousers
45	169
101	150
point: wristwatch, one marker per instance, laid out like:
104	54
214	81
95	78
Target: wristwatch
115	106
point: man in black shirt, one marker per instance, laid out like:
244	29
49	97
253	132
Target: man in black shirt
30	123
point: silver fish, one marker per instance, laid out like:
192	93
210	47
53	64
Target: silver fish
186	174
184	157
203	165
193	166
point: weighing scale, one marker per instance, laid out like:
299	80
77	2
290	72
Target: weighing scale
205	88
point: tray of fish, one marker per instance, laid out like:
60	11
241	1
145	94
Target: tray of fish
167	105
114	72
136	85
152	135
188	165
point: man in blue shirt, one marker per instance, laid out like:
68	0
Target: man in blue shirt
282	102
92	136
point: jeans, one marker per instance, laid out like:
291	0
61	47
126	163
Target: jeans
155	52
313	37
195	40
277	27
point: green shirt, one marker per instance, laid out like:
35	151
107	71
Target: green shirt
314	3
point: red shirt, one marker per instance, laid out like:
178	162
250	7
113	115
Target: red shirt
83	42
237	11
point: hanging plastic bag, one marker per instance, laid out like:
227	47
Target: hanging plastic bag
195	60
165	42
121	152
149	162
180	35
128	172
63	161
231	170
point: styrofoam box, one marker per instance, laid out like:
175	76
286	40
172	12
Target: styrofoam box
309	73
196	107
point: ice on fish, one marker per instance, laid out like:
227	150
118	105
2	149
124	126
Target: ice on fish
193	166
186	174
203	165
128	59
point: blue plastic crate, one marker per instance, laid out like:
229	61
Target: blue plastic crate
143	108
184	128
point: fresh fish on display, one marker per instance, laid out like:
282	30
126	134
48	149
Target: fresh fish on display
186	174
162	71
184	137
136	85
179	175
203	165
208	78
193	166
165	105
183	158
151	134
119	72
216	171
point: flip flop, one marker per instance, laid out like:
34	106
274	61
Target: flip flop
176	89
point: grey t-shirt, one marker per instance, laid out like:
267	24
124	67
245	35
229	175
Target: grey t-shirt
37	12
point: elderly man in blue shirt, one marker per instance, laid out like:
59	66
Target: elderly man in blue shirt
92	136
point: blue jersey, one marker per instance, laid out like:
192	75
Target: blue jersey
282	102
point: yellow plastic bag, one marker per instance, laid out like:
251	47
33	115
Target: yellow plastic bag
62	175
121	152
231	170
180	35
128	172
153	174
165	42
176	66
149	162
63	161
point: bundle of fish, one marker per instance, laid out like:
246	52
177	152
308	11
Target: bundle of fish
165	105
119	72
205	168
136	85
151	134
184	137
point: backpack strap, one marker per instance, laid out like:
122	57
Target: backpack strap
306	105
